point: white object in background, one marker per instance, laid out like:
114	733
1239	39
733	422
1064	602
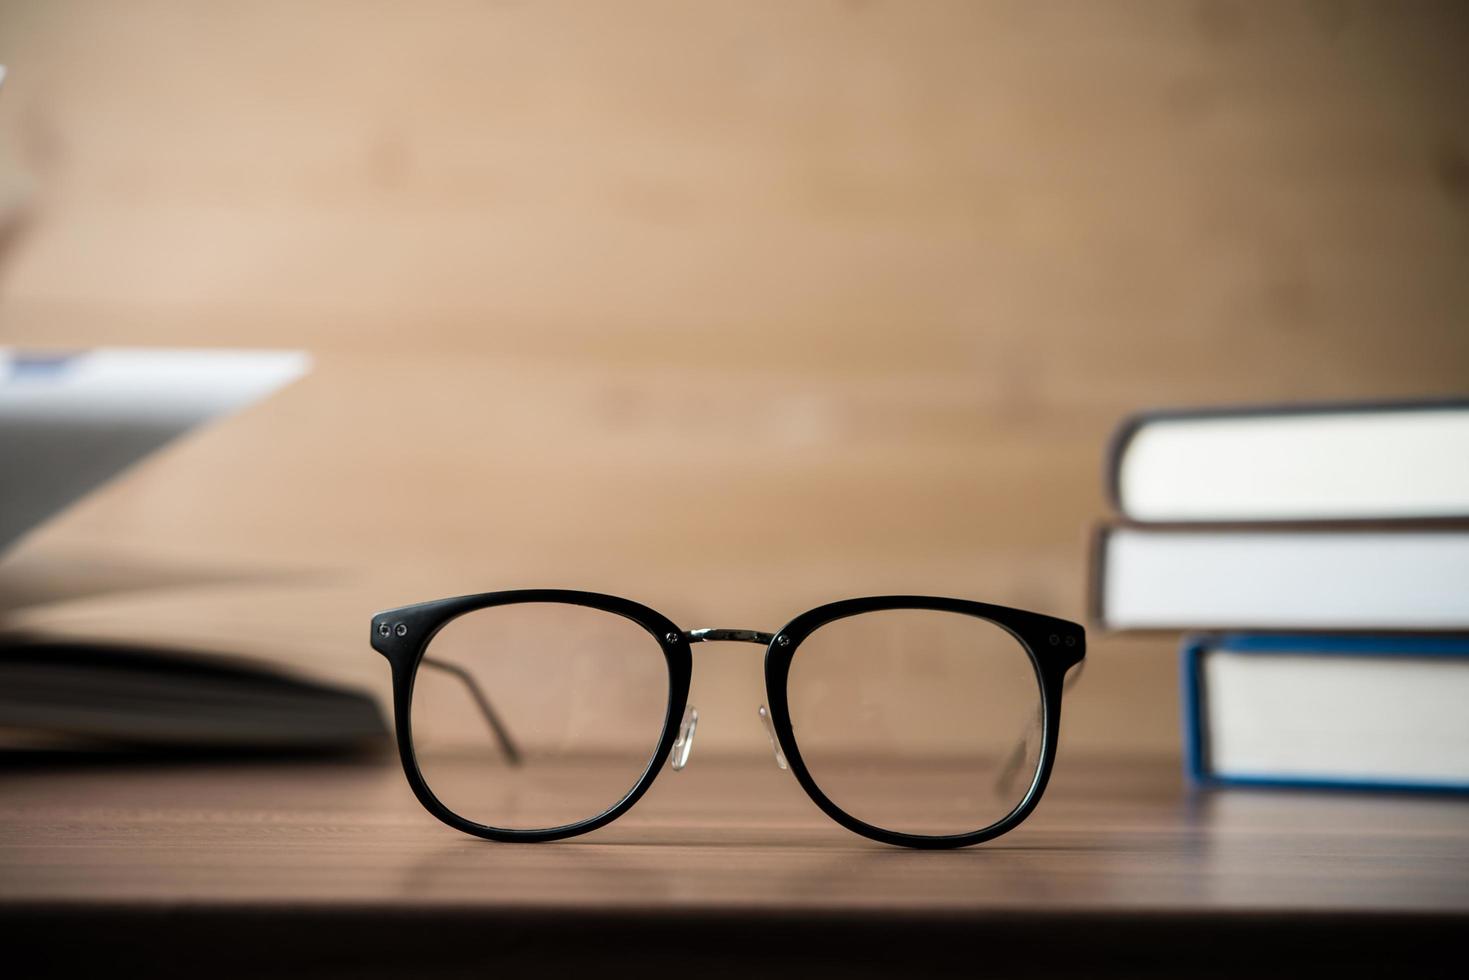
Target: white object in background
1348	717
1397	462
1285	579
69	423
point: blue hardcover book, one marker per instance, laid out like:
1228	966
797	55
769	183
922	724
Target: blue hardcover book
1348	711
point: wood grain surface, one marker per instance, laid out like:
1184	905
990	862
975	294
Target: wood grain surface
719	835
1118	849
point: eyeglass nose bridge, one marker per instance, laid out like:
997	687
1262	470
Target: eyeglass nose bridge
735	636
732	636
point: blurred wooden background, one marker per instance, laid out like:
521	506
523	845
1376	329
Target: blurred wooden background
730	308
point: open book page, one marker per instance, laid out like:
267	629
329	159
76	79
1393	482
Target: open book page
71	422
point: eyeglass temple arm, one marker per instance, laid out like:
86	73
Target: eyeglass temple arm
502	734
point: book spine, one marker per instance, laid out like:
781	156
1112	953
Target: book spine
1116	451
1195	764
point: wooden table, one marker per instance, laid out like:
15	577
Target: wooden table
245	867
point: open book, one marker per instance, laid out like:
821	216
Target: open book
69	424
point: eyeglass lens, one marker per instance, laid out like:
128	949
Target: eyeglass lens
537	715
917	721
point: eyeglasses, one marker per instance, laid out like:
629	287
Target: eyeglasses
541	714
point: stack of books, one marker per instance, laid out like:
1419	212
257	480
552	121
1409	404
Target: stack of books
1319	556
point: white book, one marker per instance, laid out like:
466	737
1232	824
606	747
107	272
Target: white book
1287	578
1328	710
1403	460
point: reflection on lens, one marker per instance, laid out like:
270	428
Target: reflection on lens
537	715
916	721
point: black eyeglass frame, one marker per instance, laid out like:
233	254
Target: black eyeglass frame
403	636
